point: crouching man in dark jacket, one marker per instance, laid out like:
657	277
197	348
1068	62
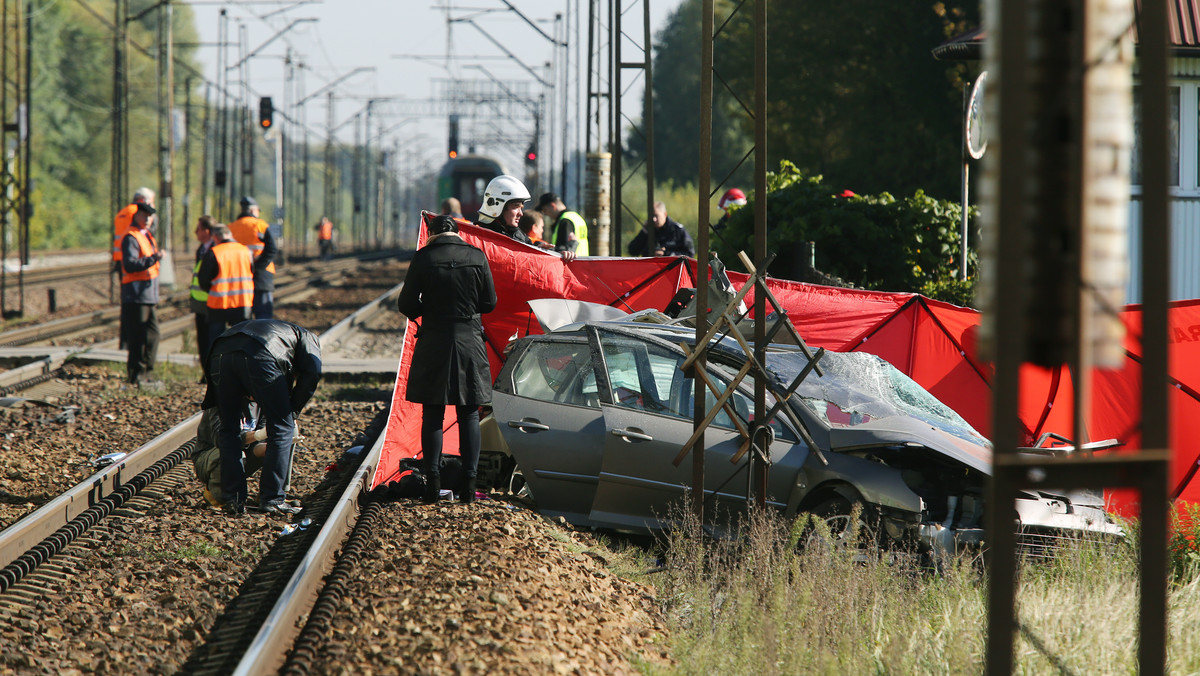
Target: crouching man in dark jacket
277	365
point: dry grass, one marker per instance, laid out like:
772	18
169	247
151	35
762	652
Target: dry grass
755	604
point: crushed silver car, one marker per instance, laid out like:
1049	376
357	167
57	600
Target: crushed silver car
595	412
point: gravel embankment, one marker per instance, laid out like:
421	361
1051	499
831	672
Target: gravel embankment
490	588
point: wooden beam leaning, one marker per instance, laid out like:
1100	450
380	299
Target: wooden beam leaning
725	319
721	403
761	280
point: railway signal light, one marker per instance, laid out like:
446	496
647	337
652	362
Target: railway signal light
453	137
266	112
531	156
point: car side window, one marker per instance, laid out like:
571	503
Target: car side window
641	375
557	372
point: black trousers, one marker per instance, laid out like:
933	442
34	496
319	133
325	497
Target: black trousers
202	339
239	376
141	338
431	437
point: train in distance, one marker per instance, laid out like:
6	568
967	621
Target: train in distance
466	177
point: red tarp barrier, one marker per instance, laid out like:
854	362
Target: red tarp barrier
931	341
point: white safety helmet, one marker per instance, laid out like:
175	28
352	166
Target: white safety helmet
500	191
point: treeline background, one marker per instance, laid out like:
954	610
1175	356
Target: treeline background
854	96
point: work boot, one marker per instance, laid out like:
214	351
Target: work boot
235	509
467	496
433	490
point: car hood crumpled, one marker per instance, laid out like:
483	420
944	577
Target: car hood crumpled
901	430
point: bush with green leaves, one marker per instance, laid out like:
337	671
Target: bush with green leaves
1184	542
872	241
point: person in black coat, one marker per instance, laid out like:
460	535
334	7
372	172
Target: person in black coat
448	286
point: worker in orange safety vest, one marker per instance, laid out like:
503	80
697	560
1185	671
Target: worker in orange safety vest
325	237
139	294
121	224
226	273
255	234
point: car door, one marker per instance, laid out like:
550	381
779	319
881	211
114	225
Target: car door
647	417
548	412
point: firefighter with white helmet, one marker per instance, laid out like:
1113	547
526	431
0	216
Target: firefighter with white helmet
503	203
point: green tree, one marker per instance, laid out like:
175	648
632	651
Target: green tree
853	93
872	241
71	116
677	110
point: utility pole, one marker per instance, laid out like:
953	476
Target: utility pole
117	189
566	98
117	179
369	188
187	162
221	175
208	151
328	182
166	139
247	137
15	101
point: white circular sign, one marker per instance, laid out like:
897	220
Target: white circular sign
976	141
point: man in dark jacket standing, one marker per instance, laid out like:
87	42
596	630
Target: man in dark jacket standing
277	365
448	286
139	294
669	237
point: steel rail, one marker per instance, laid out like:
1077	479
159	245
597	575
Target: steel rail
176	326
334	334
66	272
13	377
271	645
60	273
35	527
31	529
109	315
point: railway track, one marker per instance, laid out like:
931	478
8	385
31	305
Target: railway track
72	328
100	271
61	542
166	584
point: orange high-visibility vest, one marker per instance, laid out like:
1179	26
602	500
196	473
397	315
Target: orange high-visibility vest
326	231
148	247
233	287
122	222
248	230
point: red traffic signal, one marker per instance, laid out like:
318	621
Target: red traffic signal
531	156
266	112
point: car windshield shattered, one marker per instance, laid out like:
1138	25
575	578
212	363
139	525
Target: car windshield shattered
860	387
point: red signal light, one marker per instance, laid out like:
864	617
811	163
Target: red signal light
531	156
266	112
